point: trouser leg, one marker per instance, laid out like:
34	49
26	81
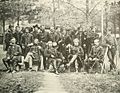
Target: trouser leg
55	66
6	63
76	65
41	63
30	62
72	60
111	55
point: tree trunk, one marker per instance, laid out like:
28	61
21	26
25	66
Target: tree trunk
54	23
114	23
119	24
87	12
4	31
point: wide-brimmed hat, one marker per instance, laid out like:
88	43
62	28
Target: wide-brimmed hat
36	26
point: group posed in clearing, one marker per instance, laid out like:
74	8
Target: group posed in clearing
41	48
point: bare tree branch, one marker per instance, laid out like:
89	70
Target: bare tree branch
74	6
95	14
94	7
63	14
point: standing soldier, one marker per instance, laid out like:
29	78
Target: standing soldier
9	36
18	35
35	33
26	39
54	35
77	53
84	43
43	35
111	43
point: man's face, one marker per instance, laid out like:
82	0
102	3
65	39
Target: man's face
109	32
13	41
18	28
26	30
58	30
96	42
76	43
36	29
12	28
85	32
50	44
36	41
43	27
52	29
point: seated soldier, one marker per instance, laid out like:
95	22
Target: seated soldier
13	56
95	57
34	56
77	53
46	53
53	56
58	57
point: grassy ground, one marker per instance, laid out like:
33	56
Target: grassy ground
21	82
90	83
28	82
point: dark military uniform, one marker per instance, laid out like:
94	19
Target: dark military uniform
34	56
54	57
77	55
13	57
95	58
27	38
97	52
77	50
18	35
55	37
111	42
44	36
8	37
35	35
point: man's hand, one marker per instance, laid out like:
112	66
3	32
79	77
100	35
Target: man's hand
8	58
15	54
69	45
95	59
63	58
23	47
52	56
109	46
90	58
39	47
30	45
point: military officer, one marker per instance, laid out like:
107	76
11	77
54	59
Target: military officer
77	52
18	34
26	40
13	56
34	56
111	43
9	36
95	58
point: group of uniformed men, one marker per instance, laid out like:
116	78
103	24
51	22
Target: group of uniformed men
43	46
